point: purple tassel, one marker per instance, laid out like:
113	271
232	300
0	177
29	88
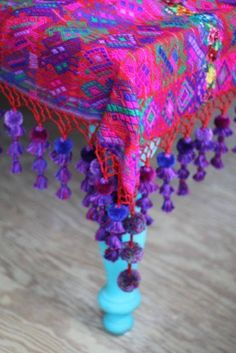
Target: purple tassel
166	172
37	147
87	156
115	227
62	155
13	121
222	130
41	182
149	219
64	192
183	188
113	241
217	162
200	174
147	186
167	205
185	156
203	143
101	234
144	203
16	167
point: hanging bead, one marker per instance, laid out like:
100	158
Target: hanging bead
62	155
37	147
13	121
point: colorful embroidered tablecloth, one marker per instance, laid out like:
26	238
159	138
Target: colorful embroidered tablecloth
129	75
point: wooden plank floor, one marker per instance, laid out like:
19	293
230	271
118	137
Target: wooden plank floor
50	271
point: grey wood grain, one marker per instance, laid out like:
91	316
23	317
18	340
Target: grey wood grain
50	271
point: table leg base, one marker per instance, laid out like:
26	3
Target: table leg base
118	324
118	310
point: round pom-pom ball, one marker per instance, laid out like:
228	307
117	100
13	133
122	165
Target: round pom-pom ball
204	134
39	134
222	122
131	253
13	118
87	154
63	146
111	254
105	186
128	280
117	213
147	174
185	146
135	224
165	160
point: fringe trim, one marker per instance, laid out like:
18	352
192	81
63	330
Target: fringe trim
67	122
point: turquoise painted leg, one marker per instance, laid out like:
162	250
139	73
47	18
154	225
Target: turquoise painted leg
118	305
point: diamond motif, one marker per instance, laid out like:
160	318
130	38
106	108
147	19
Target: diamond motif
223	75
185	97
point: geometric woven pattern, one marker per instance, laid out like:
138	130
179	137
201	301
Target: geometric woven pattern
131	71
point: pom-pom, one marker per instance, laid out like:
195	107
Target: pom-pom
111	254
117	213
131	253
147	174
185	146
135	224
62	146
222	122
204	135
165	161
105	186
39	134
13	118
87	154
128	280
